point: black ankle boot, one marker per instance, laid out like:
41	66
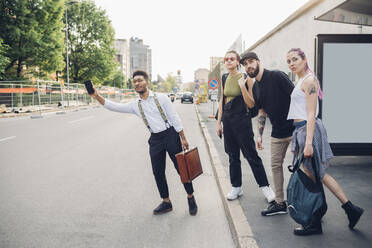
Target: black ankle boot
353	213
309	230
193	208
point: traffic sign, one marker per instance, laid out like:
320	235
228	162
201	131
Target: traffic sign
213	84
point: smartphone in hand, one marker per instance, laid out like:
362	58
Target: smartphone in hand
220	135
89	87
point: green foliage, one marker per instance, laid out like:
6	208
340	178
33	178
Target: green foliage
153	85
116	79
169	83
3	59
33	31
91	40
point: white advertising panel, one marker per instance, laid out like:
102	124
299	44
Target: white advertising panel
347	91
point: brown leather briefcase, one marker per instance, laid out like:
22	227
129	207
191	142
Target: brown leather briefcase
189	165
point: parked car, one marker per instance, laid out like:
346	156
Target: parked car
187	97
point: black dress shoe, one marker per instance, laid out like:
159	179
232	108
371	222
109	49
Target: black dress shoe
193	208
163	207
308	230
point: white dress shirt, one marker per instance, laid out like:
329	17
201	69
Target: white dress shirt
150	110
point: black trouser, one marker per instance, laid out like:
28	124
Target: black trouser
160	143
238	135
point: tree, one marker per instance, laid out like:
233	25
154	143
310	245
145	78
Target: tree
117	79
169	83
91	39
3	59
32	30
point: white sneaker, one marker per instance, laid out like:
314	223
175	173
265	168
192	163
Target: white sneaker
268	193
234	193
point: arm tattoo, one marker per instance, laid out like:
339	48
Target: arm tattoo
312	89
261	124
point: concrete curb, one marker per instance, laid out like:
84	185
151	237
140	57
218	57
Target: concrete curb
239	226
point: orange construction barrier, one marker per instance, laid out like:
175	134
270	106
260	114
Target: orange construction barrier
18	90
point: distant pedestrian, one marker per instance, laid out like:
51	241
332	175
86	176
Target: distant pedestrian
236	97
274	92
166	130
310	136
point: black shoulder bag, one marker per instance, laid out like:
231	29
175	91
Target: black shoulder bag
306	198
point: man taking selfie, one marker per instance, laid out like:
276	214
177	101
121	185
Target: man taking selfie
166	130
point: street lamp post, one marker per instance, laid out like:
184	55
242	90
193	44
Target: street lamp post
67	62
68	78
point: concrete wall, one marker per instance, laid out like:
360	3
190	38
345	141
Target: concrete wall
140	56
301	32
122	55
201	75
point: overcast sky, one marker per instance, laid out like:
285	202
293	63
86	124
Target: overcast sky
184	34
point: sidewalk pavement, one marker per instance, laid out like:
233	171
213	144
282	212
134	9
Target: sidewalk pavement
253	230
36	110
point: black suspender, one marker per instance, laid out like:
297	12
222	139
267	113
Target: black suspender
167	125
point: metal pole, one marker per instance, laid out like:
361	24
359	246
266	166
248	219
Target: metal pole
50	95
38	94
63	107
77	95
62	96
67	62
12	85
213	107
213	99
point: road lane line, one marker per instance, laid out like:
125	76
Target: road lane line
8	138
82	119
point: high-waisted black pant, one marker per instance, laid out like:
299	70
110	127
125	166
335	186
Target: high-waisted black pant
160	143
238	135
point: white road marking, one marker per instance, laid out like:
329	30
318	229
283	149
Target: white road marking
8	138
82	119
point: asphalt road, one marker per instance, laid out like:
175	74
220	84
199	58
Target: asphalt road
84	179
